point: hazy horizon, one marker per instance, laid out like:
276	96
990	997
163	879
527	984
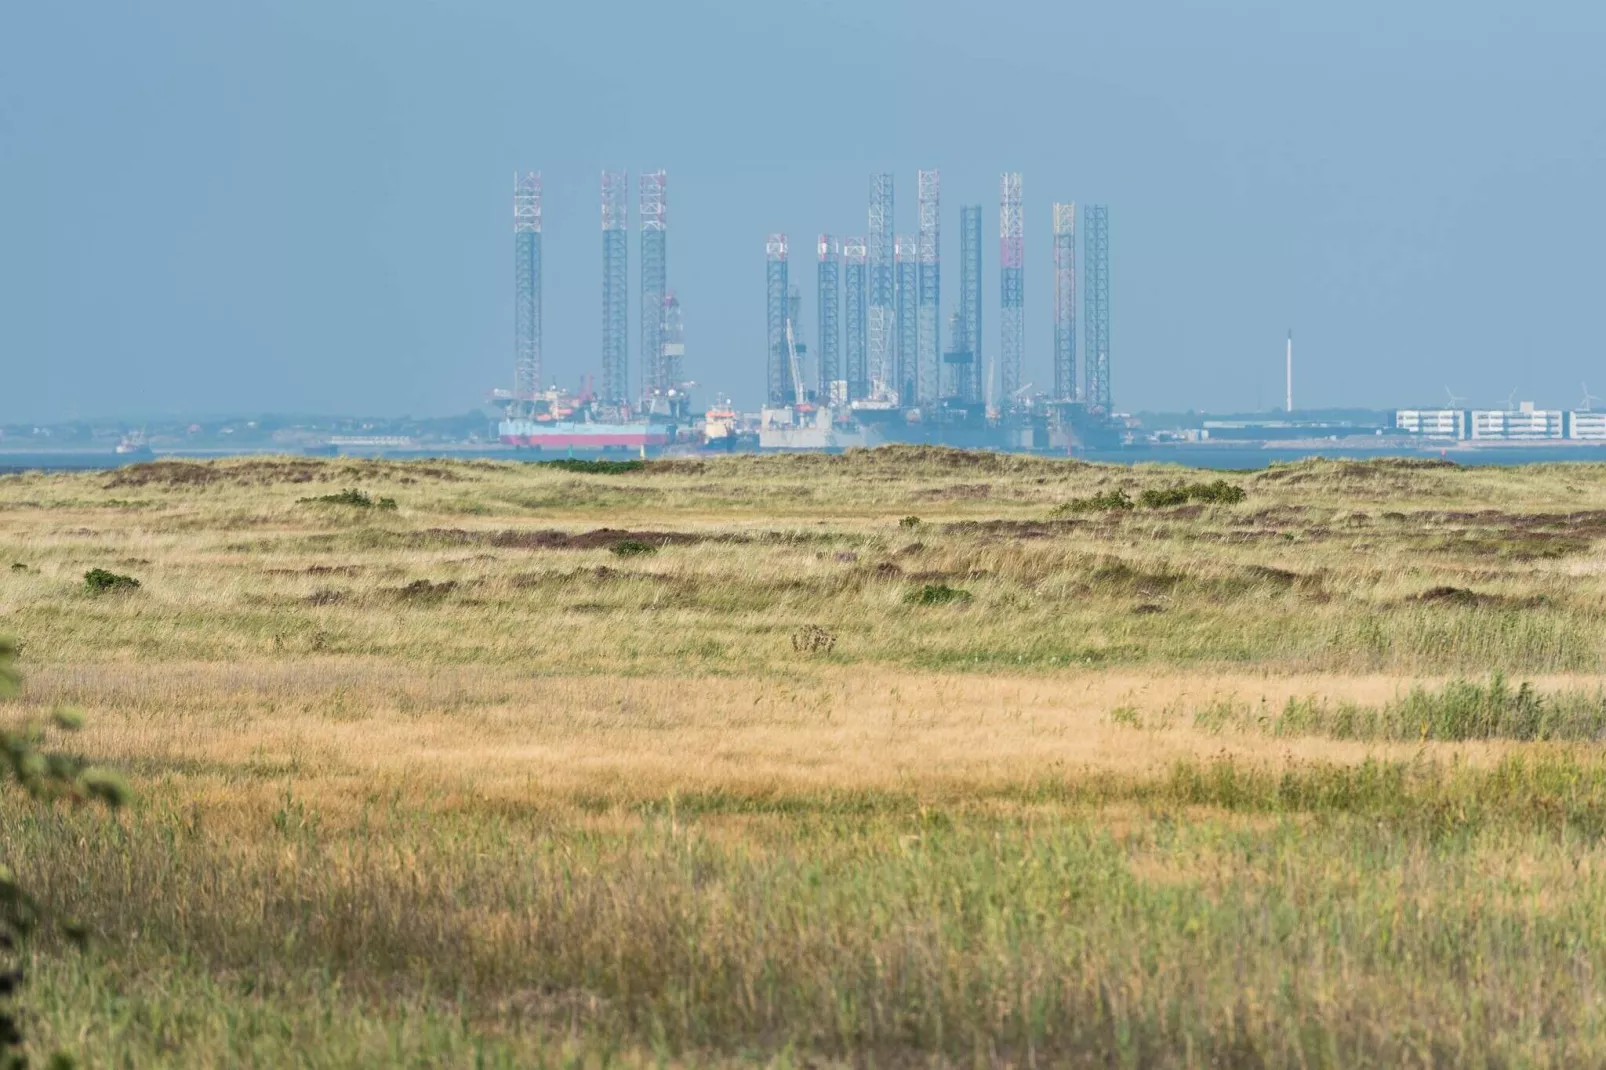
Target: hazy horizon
307	209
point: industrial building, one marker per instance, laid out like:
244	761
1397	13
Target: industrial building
1524	423
1434	423
1586	426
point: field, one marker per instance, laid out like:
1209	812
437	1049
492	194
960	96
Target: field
901	757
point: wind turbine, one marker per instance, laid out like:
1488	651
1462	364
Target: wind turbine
1455	401
1588	398
1511	400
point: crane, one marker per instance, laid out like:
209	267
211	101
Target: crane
798	401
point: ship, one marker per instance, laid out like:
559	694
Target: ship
721	424
134	446
587	436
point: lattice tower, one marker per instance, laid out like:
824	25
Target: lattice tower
906	258
828	355
526	286
930	310
779	376
881	330
615	286
970	299
1012	286
1065	302
1098	309
674	340
654	215
854	336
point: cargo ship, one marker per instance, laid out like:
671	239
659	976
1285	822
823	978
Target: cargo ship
570	435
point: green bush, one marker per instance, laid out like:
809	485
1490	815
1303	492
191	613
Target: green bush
1110	501
909	522
47	776
99	581
1219	492
354	498
595	468
937	594
633	548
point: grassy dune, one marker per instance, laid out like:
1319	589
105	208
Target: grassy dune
687	763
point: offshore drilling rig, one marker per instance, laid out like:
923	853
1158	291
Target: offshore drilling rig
876	366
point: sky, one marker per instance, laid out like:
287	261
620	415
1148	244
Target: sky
305	205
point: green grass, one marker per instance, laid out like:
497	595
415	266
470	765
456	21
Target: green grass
1326	916
1461	710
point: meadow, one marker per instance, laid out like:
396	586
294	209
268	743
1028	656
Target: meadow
901	757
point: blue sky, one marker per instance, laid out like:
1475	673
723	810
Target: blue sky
304	206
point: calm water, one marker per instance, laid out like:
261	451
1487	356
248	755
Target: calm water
1221	458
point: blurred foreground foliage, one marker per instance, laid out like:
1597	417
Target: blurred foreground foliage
44	775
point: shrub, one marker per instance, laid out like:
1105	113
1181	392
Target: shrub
1110	501
1219	492
18	566
595	468
99	581
633	548
812	639
352	497
909	522
937	594
426	590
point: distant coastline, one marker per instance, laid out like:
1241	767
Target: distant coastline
1225	456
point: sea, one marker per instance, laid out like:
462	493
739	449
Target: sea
1215	457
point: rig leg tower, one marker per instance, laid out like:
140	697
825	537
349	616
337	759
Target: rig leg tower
882	329
854	338
1098	309
929	377
1065	302
526	290
655	378
970	298
615	287
906	253
831	391
1012	287
778	369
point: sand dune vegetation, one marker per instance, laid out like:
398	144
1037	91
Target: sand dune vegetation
901	757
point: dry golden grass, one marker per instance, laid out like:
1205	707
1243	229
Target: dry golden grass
640	739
